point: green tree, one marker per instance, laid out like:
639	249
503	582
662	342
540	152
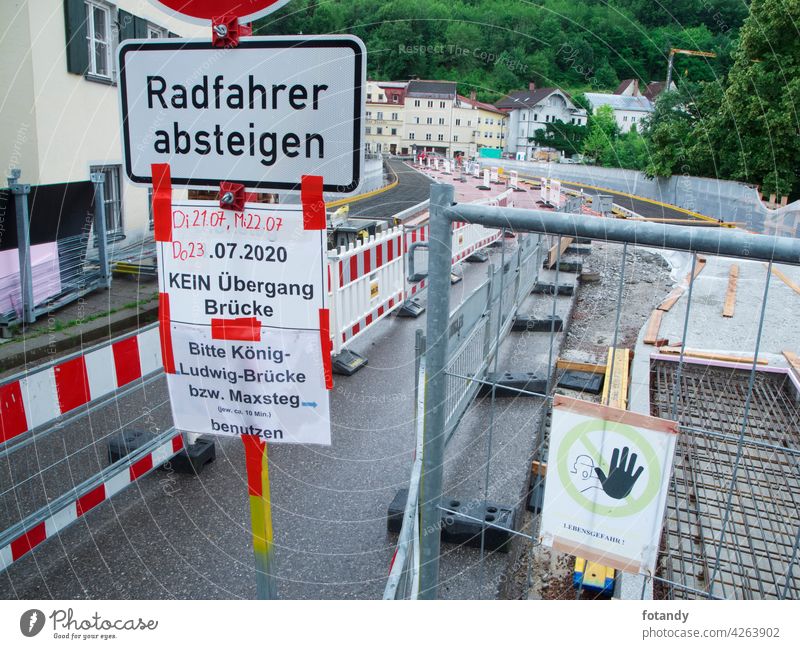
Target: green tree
667	131
603	132
564	137
754	136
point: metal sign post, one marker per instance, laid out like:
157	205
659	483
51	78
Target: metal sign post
260	516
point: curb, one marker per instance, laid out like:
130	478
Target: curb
43	346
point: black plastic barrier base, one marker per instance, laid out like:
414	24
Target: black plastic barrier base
410	309
549	288
478	257
125	443
347	363
582	381
517	380
462	525
579	250
193	459
567	266
532	323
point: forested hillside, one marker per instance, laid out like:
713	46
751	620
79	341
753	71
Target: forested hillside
500	45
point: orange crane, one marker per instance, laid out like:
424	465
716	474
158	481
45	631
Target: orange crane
674	51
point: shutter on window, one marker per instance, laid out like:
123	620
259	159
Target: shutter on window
77	47
140	27
126	25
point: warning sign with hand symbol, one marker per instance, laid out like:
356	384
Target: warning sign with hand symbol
621	478
607	476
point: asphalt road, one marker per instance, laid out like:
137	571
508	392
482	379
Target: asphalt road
413	188
641	207
175	536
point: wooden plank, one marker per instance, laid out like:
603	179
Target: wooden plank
782	276
713	356
670	300
615	385
673	297
554	253
794	360
575	366
651	334
730	294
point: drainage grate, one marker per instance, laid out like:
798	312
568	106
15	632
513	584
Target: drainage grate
758	553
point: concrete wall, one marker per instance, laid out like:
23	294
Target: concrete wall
720	199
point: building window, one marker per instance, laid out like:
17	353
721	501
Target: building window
633	119
427	136
441	121
430	120
430	104
369	96
479	120
98	37
416	120
441	104
469	122
379	130
394	131
441	137
455	138
380	115
410	136
458	122
155	32
369	114
624	118
395	99
113	197
416	103
394	117
368	130
535	117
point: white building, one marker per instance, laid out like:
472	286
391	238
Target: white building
531	110
629	105
60	114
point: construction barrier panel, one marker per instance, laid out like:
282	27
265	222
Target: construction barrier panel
55	467
367	283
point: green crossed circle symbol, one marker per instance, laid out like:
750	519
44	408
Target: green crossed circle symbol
630	505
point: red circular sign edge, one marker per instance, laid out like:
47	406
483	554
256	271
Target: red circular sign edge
205	10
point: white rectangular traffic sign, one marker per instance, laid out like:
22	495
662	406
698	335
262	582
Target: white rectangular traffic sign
244	324
262	114
272	388
608	473
259	262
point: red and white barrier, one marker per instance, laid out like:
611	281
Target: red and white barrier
46	394
85	501
367	283
495	175
513	179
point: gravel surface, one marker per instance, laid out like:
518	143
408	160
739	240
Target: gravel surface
591	332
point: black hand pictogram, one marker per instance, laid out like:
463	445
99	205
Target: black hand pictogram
621	478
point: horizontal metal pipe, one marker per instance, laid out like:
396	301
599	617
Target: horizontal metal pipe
723	241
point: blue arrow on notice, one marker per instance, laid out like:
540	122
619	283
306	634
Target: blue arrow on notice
308	404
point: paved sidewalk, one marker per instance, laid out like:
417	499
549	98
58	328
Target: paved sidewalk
127	305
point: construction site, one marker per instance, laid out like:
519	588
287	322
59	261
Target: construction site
705	340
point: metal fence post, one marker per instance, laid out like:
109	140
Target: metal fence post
20	193
435	386
99	180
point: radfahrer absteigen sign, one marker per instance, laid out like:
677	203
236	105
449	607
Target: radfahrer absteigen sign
608	473
245	333
261	114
